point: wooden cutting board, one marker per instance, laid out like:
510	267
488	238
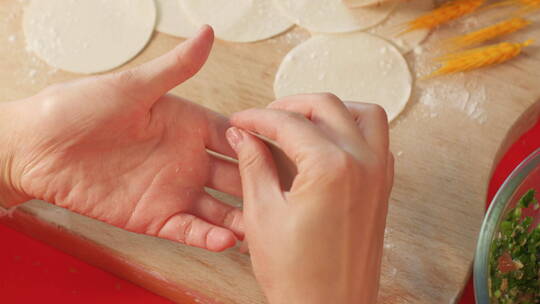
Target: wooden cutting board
445	145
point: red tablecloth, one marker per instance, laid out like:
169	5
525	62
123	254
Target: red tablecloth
525	145
33	272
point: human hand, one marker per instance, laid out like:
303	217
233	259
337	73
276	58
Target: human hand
116	148
322	241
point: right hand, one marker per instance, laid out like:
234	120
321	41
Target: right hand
322	241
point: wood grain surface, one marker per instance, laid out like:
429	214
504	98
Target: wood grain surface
445	144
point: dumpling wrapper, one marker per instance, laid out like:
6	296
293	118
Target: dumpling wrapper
88	36
238	20
333	16
172	20
355	67
392	28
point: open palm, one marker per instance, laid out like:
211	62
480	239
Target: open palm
116	148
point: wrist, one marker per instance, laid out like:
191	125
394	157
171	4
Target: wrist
11	193
315	296
346	287
306	291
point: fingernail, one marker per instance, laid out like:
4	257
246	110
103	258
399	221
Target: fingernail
234	136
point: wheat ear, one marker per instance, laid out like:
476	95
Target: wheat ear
491	32
447	12
479	57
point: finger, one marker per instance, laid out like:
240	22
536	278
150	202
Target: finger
372	121
293	133
153	79
216	140
224	176
329	113
218	213
257	169
212	125
190	230
389	174
244	247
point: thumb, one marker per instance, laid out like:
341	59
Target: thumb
257	169
155	78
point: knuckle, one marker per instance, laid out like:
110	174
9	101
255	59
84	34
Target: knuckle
377	112
338	162
282	113
240	117
343	163
124	77
329	100
250	161
187	230
50	100
339	170
293	116
288	119
206	238
328	97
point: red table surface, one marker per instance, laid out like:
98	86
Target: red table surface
34	272
524	146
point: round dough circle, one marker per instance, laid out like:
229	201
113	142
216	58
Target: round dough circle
355	67
392	27
172	20
334	16
88	36
361	3
238	20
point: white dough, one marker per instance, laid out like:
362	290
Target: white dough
172	20
333	16
360	3
355	67
238	20
88	36
392	27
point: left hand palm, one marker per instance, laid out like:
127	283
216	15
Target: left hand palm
113	147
